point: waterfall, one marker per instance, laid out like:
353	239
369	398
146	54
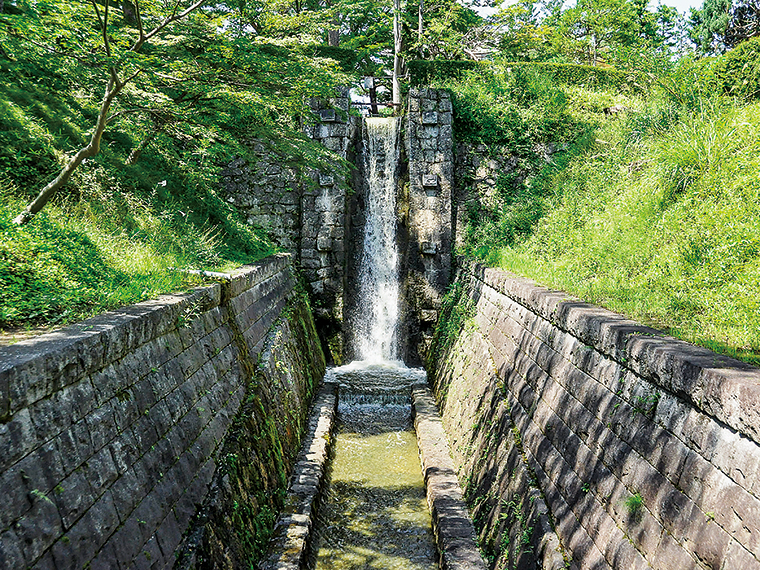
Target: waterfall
378	270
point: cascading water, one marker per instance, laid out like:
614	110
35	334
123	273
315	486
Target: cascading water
375	513
378	270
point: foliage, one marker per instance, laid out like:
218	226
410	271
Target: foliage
456	310
451	30
633	505
723	24
191	78
623	33
738	71
519	112
148	201
658	218
347	59
76	260
574	74
425	72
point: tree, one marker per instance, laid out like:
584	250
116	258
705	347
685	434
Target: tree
523	34
593	27
182	75
708	26
121	63
450	30
744	22
721	24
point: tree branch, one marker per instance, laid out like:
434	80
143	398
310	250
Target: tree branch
138	16
168	21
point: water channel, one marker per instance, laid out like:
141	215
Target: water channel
374	513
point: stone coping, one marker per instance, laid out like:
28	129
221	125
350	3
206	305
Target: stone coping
289	545
453	529
35	367
720	386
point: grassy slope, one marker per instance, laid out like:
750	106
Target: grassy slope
114	234
659	218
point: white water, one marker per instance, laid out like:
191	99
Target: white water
378	269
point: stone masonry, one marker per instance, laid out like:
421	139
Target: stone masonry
645	448
428	258
112	428
305	213
267	193
324	221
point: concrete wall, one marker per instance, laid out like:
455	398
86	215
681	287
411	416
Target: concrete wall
113	429
644	448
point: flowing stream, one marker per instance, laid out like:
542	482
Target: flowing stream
374	514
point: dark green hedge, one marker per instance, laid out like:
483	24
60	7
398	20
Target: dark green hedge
572	74
738	71
423	72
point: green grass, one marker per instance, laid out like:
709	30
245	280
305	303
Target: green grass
116	234
72	261
659	218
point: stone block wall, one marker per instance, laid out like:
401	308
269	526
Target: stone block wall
112	429
267	193
645	448
428	214
476	171
325	222
305	212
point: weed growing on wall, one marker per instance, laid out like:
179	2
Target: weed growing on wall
456	310
633	506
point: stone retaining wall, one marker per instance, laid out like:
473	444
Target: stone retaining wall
305	211
112	428
427	216
645	448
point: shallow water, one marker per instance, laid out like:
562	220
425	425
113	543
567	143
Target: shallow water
374	514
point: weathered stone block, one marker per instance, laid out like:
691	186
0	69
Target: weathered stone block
328	115
430	180
428	248
429	117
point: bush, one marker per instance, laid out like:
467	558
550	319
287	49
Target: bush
424	72
738	71
347	59
572	74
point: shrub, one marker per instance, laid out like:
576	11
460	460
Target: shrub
738	71
424	72
572	74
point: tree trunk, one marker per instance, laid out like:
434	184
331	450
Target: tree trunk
90	150
396	54
2	6
129	11
333	38
419	28
373	98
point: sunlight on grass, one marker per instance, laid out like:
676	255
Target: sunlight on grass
666	231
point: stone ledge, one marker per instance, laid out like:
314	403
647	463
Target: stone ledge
289	545
34	368
453	529
722	387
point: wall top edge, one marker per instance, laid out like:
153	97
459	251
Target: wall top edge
86	335
720	386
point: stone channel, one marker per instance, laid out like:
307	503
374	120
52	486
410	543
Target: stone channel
389	499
